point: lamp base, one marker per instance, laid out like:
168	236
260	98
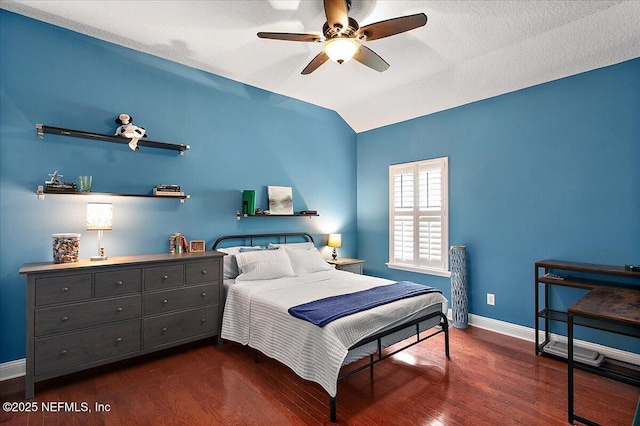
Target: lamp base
334	255
99	258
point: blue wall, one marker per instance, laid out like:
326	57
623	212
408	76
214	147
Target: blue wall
548	172
241	137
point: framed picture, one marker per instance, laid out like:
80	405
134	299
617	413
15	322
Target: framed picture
196	246
280	199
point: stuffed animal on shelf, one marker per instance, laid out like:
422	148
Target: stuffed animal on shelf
128	130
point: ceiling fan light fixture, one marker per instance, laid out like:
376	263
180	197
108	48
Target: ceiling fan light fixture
341	49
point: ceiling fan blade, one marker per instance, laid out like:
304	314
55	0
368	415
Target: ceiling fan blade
337	13
391	27
371	59
291	36
320	59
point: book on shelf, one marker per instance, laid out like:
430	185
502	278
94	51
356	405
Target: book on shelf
62	187
167	188
158	193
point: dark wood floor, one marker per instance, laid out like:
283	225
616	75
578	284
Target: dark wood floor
489	380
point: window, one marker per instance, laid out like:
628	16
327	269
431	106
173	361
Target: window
418	216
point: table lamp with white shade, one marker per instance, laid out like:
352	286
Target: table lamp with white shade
335	241
99	218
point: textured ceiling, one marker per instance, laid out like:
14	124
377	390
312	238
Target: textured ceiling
468	50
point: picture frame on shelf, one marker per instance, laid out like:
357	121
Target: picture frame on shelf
280	200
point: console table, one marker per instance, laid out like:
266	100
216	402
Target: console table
89	313
615	310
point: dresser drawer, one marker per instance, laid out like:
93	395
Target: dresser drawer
182	298
86	314
180	325
163	276
63	289
118	282
202	272
81	347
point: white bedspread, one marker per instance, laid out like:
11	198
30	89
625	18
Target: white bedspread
255	314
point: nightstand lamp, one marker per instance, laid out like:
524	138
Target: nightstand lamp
335	241
99	218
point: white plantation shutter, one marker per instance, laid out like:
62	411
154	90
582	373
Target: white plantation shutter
418	218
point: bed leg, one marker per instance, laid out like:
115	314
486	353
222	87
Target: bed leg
445	327
332	409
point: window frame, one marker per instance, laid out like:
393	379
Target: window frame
441	163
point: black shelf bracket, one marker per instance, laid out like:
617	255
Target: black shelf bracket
42	129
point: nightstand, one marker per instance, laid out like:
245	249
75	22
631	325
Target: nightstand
347	264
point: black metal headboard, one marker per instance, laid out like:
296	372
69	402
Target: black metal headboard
273	238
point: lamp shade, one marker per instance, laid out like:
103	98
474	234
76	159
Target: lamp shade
335	240
99	216
341	49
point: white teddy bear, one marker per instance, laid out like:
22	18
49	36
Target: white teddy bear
128	130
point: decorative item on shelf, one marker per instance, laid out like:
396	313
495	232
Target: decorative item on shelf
309	212
129	131
84	183
99	218
335	241
164	190
196	246
249	202
54	184
66	248
459	300
280	200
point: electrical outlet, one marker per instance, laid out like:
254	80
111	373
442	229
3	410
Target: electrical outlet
491	299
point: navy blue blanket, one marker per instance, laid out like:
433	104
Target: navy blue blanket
322	311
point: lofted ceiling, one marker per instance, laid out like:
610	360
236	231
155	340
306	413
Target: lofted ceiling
467	51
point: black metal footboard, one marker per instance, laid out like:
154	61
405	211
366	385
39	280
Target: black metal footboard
444	328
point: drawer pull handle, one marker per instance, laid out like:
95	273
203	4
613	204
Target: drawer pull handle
164	329
119	309
165	277
204	294
204	272
63	352
64	318
119	339
165	301
119	283
203	320
65	289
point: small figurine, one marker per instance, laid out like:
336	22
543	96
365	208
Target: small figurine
128	130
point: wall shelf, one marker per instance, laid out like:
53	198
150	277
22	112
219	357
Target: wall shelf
42	129
42	193
240	215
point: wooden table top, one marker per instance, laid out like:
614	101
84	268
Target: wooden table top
615	304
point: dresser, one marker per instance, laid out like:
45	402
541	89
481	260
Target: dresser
89	313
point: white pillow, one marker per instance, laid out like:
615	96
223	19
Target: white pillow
306	261
263	265
230	266
308	245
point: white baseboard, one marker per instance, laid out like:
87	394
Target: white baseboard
529	334
17	368
13	369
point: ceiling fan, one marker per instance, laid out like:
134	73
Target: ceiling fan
343	36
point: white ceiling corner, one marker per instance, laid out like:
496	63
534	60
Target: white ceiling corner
467	51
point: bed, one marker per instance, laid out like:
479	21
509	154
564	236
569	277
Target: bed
269	278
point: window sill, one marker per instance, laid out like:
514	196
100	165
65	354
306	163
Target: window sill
411	268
